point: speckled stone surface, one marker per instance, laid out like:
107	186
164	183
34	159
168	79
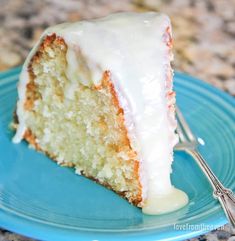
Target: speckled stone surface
204	43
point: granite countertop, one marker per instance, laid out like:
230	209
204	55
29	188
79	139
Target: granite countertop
204	33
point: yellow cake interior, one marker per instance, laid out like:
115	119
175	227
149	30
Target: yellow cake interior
77	123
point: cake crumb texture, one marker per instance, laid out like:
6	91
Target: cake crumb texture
79	124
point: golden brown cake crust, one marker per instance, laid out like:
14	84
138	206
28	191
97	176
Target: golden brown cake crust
106	83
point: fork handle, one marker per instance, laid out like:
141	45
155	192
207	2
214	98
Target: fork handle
224	195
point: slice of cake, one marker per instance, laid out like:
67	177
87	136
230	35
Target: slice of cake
97	96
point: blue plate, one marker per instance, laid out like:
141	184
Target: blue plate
44	201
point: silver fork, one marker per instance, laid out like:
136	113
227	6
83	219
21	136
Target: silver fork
189	144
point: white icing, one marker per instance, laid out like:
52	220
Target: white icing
23	80
165	203
132	47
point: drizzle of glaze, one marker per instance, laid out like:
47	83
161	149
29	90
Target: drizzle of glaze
165	203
